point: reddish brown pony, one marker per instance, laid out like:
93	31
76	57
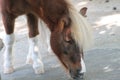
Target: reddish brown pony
69	32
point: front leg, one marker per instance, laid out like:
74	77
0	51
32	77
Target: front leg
8	61
45	36
34	56
8	21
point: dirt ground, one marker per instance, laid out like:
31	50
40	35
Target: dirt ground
102	60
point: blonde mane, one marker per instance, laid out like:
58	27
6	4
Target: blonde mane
81	31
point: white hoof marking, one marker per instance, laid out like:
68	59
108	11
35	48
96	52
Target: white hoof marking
8	70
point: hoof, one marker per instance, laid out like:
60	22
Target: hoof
50	51
39	70
8	70
29	61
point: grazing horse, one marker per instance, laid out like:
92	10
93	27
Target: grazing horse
70	33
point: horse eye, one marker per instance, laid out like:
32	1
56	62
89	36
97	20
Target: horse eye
65	52
73	59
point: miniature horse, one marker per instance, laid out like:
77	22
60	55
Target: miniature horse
70	33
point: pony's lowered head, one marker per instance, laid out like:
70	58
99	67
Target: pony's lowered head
66	49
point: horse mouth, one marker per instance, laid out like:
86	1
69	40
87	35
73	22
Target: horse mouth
77	76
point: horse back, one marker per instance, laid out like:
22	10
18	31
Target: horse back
15	7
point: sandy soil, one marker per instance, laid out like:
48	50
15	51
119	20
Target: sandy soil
102	59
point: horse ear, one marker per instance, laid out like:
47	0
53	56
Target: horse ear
66	31
83	11
61	25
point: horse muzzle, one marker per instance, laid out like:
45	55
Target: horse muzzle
76	75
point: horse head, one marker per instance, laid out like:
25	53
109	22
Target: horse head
66	48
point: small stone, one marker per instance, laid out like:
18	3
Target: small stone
107	1
114	8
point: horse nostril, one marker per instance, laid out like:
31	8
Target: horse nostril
72	74
70	71
76	75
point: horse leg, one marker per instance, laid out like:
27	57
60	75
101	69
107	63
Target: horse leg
47	33
45	36
8	21
33	54
48	45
